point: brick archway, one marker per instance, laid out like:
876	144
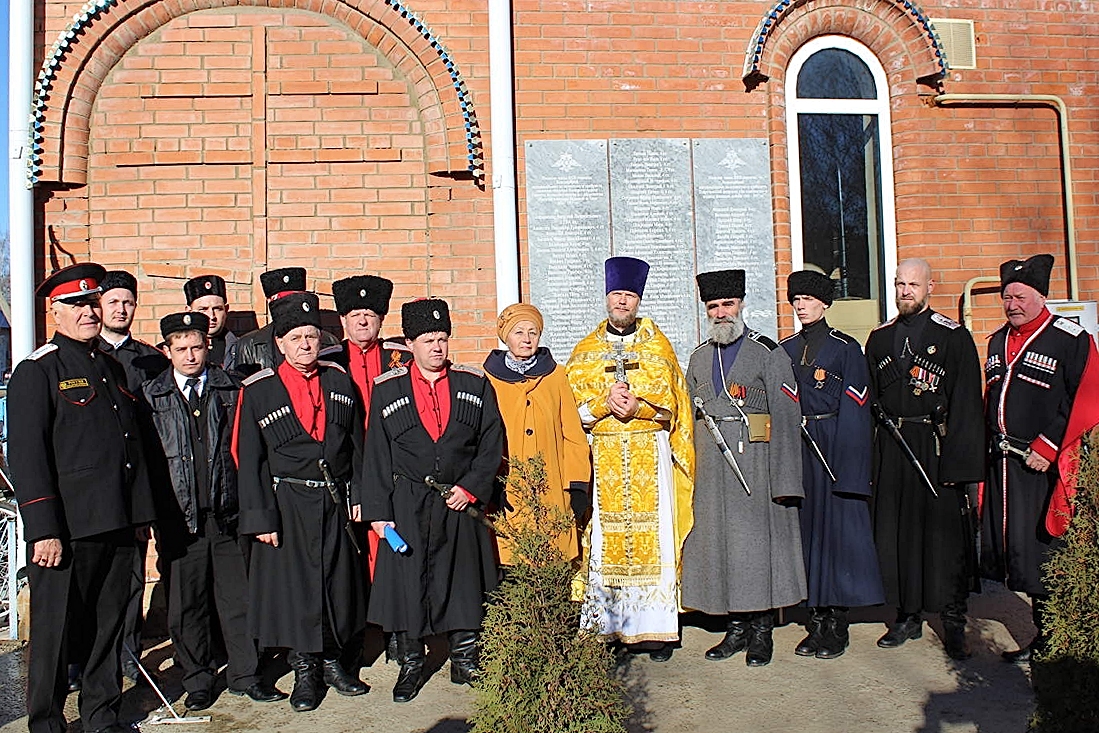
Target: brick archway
892	30
80	60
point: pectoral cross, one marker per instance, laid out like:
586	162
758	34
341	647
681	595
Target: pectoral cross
622	362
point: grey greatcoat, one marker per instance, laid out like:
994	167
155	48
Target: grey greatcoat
744	552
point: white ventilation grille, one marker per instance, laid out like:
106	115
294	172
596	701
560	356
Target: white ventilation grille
958	42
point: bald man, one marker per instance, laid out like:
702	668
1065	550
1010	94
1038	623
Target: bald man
925	381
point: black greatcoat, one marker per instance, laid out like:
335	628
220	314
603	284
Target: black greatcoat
80	476
1026	398
314	575
926	545
840	560
441	583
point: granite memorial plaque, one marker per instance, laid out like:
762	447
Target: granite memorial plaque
733	221
568	231
684	206
652	219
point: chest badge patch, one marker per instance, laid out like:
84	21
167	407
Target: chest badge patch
73	383
819	374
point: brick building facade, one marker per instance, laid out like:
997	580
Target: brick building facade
177	137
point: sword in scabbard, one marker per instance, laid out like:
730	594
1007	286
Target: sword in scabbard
445	490
330	484
895	431
1005	446
816	450
715	433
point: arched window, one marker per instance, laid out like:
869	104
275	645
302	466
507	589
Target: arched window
842	215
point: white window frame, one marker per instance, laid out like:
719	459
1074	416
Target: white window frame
879	107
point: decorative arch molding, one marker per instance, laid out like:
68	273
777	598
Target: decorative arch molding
97	37
793	22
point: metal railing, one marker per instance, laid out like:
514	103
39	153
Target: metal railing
9	582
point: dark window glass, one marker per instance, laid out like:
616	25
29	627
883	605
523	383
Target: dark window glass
835	74
841	201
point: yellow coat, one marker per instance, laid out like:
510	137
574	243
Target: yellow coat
540	416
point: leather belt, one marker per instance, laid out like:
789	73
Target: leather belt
912	420
308	483
822	416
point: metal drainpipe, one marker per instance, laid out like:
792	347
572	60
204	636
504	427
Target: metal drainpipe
505	212
1066	167
20	197
967	297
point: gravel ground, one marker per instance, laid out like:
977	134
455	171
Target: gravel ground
915	688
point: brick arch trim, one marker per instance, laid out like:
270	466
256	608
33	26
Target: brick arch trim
764	56
102	31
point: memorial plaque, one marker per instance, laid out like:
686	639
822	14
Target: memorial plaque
569	236
733	221
652	219
684	206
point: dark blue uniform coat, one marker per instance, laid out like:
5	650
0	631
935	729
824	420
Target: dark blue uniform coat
836	536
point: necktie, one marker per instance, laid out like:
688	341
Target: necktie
193	400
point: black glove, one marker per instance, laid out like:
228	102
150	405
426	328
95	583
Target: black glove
579	501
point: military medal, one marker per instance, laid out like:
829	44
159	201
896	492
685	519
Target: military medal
931	349
819	374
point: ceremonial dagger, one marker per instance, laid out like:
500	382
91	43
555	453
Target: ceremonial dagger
445	490
715	432
330	484
905	448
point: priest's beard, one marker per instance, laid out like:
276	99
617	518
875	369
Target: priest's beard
621	322
726	330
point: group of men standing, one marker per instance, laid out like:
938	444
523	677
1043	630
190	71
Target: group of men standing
258	483
287	473
820	474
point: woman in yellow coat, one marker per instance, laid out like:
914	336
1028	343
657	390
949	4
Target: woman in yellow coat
540	416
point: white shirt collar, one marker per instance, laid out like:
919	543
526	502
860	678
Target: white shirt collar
181	382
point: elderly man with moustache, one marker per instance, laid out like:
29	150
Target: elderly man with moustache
298	442
80	479
1034	373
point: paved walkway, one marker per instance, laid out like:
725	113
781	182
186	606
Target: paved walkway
915	688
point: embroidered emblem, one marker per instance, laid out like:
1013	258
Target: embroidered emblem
859	396
1072	328
942	320
73	383
791	392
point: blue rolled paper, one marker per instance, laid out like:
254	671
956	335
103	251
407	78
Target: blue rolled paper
396	542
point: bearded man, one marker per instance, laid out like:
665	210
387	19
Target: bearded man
925	382
633	402
743	558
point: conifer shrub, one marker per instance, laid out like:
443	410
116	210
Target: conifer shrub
1066	674
541	672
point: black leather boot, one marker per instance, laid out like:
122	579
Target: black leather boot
463	657
907	626
306	694
735	641
954	643
410	653
1038	643
834	635
336	677
809	645
760	644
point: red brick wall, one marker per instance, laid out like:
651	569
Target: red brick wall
974	185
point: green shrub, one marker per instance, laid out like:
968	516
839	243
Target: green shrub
540	672
1066	675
